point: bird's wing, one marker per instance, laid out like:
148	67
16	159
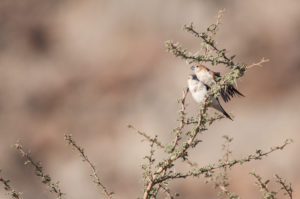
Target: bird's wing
228	92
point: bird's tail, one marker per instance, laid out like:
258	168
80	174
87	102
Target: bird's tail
218	106
225	113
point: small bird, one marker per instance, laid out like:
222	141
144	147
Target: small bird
209	78
199	91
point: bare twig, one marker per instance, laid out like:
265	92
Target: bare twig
214	27
220	16
70	141
263	60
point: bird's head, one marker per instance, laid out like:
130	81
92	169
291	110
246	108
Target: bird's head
198	68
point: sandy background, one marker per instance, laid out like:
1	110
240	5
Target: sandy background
91	67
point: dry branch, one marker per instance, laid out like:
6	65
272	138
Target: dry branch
70	141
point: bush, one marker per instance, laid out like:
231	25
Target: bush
157	174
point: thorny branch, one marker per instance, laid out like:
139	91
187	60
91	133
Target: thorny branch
221	179
269	194
182	119
284	186
14	194
258	155
148	171
46	179
209	120
147	137
159	144
212	44
158	177
70	141
263	185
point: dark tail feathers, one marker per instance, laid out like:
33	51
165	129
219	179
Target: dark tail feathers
226	114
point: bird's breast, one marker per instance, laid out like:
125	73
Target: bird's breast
205	77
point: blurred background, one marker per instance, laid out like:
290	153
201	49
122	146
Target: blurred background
91	67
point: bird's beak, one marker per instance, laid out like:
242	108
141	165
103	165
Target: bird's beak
192	67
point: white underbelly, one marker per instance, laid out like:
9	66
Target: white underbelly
198	94
206	78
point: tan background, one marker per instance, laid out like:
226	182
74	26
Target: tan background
91	67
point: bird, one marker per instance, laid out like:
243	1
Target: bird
199	90
209	78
